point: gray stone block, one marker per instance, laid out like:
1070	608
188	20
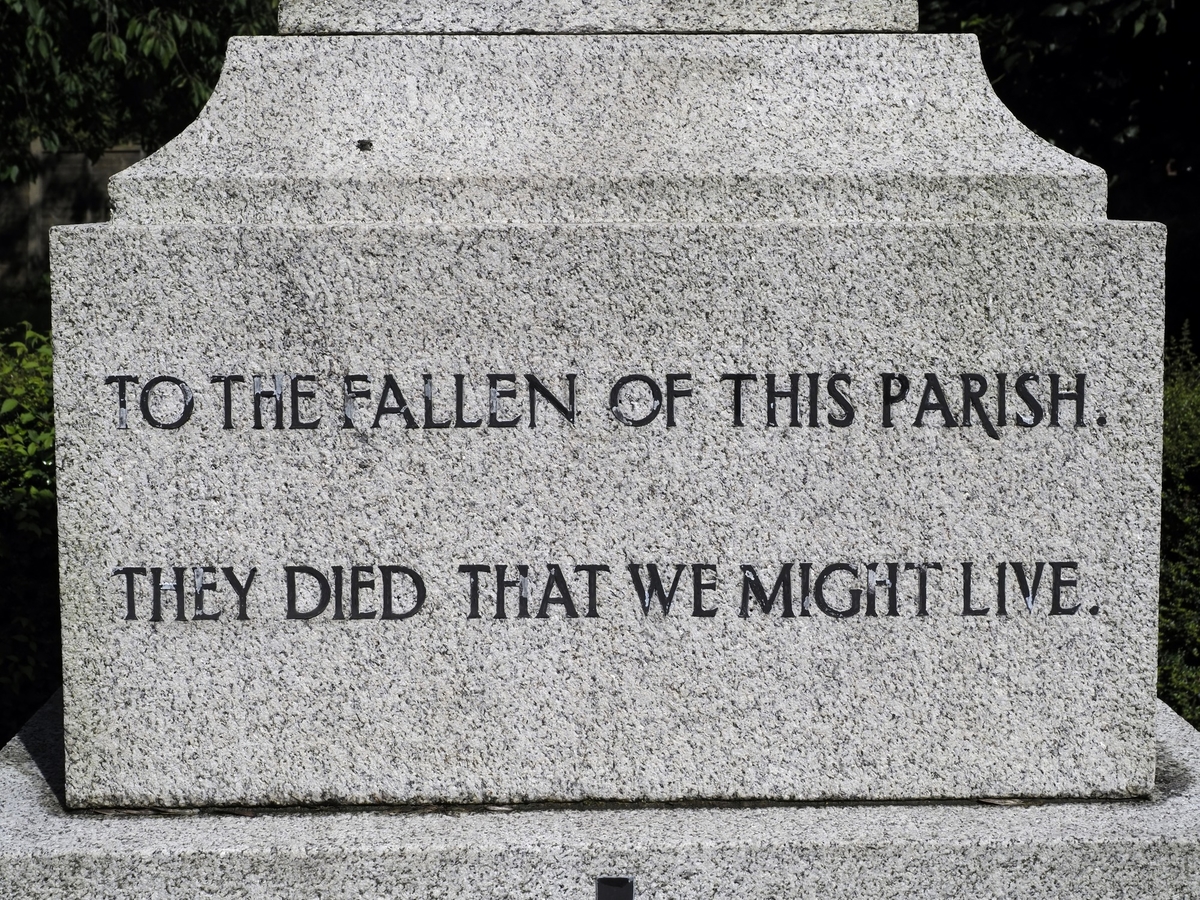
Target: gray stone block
1097	850
630	704
570	16
630	128
486	224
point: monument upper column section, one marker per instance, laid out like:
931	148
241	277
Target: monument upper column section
597	16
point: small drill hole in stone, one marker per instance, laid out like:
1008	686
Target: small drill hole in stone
614	889
366	145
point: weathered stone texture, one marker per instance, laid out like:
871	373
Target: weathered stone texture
1074	851
570	16
631	128
624	706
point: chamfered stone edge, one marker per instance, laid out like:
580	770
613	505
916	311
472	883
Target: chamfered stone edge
572	16
594	128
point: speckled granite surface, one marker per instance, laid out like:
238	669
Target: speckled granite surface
569	16
641	417
841	699
610	128
1097	850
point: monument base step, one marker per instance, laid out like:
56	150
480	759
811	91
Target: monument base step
1000	849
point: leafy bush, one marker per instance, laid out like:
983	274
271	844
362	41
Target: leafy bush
91	74
27	434
1179	583
29	642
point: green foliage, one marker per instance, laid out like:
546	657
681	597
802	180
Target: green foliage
1116	82
81	75
1179	584
1109	80
92	74
26	433
29	655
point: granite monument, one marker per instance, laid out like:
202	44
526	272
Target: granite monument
560	403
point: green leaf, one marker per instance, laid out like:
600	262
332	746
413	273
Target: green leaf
8	406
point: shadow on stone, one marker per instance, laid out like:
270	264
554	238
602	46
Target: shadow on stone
42	737
1171	775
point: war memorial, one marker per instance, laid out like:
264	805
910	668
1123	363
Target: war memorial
606	449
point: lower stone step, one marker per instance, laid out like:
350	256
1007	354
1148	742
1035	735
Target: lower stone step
1004	849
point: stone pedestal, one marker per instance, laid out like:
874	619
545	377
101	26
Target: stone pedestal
728	448
647	409
1096	850
565	417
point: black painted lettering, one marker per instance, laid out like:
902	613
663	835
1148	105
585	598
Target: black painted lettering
1057	583
537	389
675	392
790	394
805	581
1001	590
358	584
386	574
738	380
1028	591
699	585
241	589
297	395
814	399
846	419
922	570
653	587
592	574
521	583
1001	399
968	608
339	581
782	591
157	586
261	394
495	395
891	581
1057	396
933	399
227	382
893	589
198	573
556	593
819	592
391	391
351	392
122	399
185	394
474	572
974	386
1030	401
895	390
427	391
130	574
460	420
293	609
656	400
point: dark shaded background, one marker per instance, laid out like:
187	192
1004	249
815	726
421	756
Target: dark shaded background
1116	83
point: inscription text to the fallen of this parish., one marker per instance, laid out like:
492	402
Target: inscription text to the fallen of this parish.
507	400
